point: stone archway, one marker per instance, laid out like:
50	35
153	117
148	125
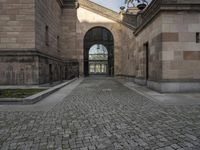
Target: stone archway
99	36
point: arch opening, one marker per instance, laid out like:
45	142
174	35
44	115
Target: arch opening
98	52
98	60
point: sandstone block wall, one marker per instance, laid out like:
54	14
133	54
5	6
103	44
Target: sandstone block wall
17	33
181	53
24	55
51	70
17	24
151	35
128	52
48	13
68	36
173	52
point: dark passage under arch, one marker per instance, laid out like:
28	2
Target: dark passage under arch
99	36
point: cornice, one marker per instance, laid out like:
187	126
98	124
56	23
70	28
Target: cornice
32	52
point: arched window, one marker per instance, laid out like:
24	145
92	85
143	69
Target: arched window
98	52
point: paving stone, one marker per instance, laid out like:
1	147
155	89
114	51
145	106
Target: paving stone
93	117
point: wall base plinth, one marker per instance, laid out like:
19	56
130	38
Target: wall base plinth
174	87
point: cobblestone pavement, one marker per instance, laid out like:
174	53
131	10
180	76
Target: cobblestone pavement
103	114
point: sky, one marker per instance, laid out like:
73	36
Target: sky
112	4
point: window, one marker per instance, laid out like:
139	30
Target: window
47	35
197	37
146	48
98	59
58	43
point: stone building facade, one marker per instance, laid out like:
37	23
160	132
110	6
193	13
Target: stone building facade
44	41
28	54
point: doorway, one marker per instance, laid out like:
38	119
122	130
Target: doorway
98	60
98	52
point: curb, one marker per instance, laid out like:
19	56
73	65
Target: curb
34	98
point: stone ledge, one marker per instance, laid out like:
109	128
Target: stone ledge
174	87
34	98
167	86
140	81
32	52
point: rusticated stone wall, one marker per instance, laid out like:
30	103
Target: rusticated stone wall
18	70
33	67
51	70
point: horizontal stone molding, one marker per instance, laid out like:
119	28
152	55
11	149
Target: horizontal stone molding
32	52
140	81
174	87
175	80
170	85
